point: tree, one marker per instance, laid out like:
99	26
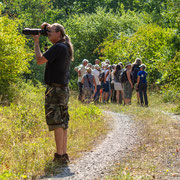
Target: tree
14	56
153	44
87	31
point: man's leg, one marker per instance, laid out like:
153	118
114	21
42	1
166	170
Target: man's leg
59	139
80	91
145	95
138	97
141	94
64	141
106	96
117	96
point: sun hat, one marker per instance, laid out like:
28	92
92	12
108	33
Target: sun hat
107	61
143	65
96	66
84	60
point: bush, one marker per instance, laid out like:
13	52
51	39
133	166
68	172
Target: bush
151	43
87	31
14	56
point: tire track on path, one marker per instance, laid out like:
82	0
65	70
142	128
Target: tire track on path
97	163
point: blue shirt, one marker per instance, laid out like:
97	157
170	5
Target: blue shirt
142	75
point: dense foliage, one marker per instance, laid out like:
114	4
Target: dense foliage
117	30
14	56
151	43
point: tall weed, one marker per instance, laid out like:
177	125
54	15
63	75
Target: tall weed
26	145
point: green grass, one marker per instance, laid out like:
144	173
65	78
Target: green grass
26	145
157	154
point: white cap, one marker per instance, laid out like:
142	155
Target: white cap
107	61
85	60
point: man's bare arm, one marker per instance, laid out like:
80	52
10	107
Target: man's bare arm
39	57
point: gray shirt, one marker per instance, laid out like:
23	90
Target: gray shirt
89	84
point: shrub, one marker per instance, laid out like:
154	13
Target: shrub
14	56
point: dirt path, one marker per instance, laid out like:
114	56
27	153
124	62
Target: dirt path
98	162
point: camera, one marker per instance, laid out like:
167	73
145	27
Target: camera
28	31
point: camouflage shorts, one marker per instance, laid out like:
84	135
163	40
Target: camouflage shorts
127	90
88	94
56	107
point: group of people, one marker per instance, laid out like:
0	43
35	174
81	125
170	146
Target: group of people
98	83
104	83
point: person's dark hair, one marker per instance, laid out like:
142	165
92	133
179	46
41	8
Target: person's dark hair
138	61
118	68
143	68
65	39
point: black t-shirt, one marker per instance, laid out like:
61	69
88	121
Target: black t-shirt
58	65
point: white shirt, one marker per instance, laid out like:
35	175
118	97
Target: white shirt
108	77
112	76
83	72
96	73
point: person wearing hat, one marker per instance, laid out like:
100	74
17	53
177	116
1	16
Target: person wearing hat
106	85
117	84
113	93
96	73
97	61
128	85
107	61
89	86
81	72
142	85
121	64
135	70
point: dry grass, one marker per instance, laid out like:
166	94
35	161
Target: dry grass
157	155
26	145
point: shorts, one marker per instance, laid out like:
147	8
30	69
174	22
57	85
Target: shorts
88	93
118	86
127	90
56	107
106	87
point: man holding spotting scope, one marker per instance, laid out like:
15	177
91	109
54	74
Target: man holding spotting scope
57	59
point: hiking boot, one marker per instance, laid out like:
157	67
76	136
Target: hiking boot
58	158
66	158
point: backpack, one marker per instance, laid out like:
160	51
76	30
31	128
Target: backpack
101	76
123	76
135	71
90	85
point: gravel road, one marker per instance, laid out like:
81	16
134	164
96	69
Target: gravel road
98	162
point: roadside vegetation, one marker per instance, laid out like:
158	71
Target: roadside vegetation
27	147
156	155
